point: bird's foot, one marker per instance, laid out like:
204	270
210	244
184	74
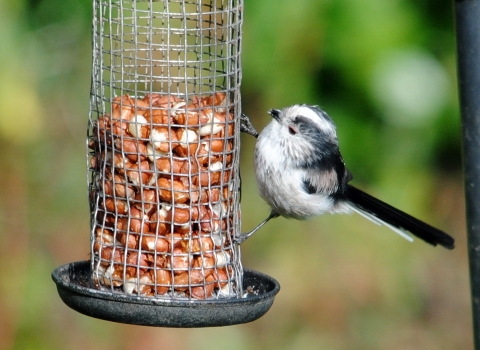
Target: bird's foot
246	126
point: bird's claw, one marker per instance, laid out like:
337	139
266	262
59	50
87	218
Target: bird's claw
246	126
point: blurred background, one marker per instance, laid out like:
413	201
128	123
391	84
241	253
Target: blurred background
383	70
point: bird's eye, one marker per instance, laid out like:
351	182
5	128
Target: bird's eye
292	130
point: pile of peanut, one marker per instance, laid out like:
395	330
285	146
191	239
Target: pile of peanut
162	196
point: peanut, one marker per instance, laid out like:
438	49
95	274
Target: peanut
203	244
111	254
164	101
179	260
116	206
156	260
146	200
163	280
210	222
120	128
157	219
122	190
222	258
185	279
201	292
139	173
205	262
215	123
107	186
166	187
163	139
138	221
227	132
122	107
141	107
122	224
136	263
164	165
191	116
120	162
152	243
221	278
210	176
159	117
133	149
218	100
153	154
182	229
111	276
178	215
142	286
175	239
188	143
129	240
103	238
139	127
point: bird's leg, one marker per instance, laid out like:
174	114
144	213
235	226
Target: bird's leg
247	127
243	237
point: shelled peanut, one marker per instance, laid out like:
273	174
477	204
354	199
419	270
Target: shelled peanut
162	180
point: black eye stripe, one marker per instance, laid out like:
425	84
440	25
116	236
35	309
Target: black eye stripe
303	124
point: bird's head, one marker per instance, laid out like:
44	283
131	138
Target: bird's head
304	131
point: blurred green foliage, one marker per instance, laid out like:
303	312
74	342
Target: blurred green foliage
383	70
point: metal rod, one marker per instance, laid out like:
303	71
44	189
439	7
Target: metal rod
467	18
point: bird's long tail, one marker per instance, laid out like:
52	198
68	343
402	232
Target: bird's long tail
400	222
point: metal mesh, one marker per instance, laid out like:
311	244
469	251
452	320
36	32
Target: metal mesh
163	145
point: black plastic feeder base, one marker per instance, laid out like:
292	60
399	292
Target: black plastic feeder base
75	287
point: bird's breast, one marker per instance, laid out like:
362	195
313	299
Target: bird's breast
280	184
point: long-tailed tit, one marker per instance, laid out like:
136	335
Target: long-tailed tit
300	173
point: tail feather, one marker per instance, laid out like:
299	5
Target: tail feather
377	221
376	210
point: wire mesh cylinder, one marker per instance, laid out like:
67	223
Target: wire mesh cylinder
163	143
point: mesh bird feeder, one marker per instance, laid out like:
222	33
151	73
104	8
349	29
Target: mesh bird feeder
163	153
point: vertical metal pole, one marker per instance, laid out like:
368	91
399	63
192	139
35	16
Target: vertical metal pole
467	18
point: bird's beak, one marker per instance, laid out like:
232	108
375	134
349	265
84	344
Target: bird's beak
275	113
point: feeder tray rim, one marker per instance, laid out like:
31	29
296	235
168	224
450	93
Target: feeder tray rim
74	286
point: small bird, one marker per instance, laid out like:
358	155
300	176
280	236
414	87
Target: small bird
300	173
